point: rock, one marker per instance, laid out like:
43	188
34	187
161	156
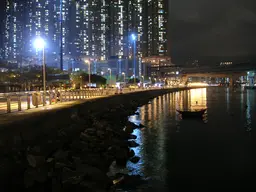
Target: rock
90	131
78	146
35	161
96	175
86	137
114	169
130	183
135	159
132	137
130	124
60	155
128	129
140	126
131	153
100	134
133	144
32	175
121	157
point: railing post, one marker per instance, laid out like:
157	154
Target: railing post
19	103
8	104
50	97
36	100
28	101
61	96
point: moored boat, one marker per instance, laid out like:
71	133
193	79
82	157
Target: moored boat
192	113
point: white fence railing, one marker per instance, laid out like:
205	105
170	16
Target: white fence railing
12	102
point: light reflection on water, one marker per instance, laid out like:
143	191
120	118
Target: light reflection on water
159	140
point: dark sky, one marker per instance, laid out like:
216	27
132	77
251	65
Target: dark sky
212	27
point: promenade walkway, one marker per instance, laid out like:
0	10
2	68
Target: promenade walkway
77	98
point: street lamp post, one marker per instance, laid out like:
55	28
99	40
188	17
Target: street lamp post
81	82
40	45
89	70
134	55
109	76
124	76
142	80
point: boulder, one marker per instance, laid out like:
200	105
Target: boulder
137	113
132	137
140	126
135	159
86	137
95	175
121	157
133	144
35	161
100	134
90	131
131	153
128	129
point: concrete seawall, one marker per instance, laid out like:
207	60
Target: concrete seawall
32	126
44	133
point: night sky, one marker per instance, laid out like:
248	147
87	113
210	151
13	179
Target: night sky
212	28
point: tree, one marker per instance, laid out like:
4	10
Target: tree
132	80
79	78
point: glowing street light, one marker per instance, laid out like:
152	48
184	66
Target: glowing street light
39	44
133	37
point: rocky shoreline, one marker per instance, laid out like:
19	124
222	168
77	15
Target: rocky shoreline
88	154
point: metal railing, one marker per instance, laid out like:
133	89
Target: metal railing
25	101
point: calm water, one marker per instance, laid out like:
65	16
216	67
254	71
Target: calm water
214	153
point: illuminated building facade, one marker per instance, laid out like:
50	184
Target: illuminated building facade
159	67
157	40
99	29
13	37
89	29
126	18
26	20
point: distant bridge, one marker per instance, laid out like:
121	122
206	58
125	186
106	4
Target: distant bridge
243	67
233	72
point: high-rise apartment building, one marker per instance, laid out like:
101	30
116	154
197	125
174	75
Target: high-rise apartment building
98	29
13	40
157	24
89	29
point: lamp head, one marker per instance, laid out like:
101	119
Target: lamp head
133	37
39	43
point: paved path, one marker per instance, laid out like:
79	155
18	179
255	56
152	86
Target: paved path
8	117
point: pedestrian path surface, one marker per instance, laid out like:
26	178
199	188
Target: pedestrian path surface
16	116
